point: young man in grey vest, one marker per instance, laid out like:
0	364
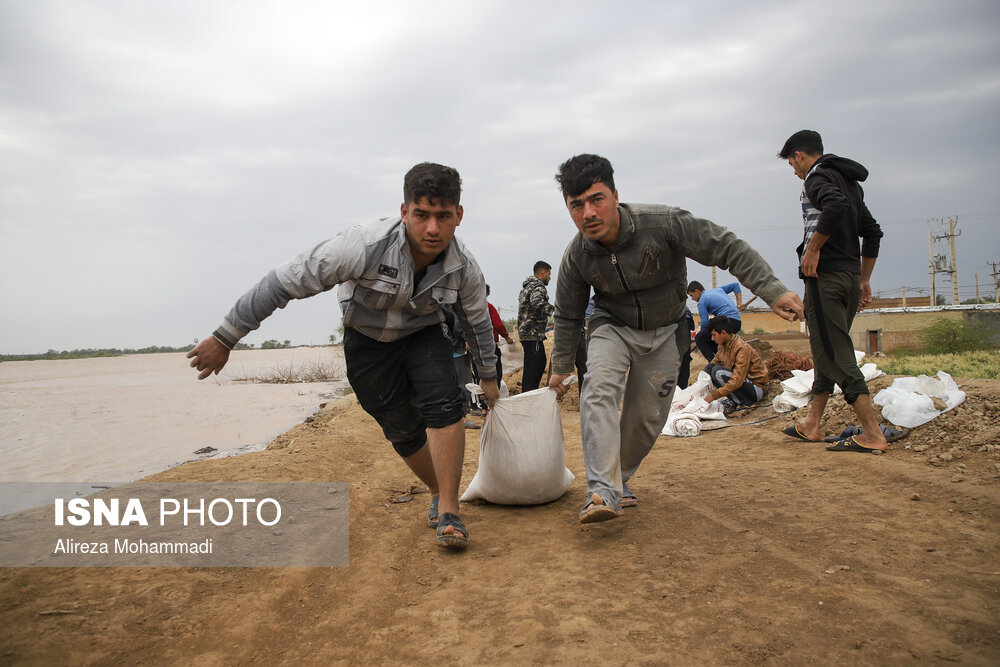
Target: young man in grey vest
395	274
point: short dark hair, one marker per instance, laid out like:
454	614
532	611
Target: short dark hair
436	183
539	265
807	141
578	173
695	286
721	323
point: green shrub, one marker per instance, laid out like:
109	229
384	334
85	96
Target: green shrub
945	336
974	364
758	331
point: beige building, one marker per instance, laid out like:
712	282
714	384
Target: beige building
885	329
761	321
878	329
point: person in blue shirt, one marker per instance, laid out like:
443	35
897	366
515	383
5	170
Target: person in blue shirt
714	302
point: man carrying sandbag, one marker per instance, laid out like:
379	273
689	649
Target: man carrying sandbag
394	275
633	256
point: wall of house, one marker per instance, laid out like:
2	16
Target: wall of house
897	328
911	302
767	320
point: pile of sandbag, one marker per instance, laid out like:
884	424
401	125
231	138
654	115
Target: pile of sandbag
686	421
797	390
912	401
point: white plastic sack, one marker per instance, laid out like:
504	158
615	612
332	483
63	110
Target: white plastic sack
700	388
522	457
797	390
686	422
682	425
787	402
909	401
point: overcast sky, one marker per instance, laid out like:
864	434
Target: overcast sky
158	158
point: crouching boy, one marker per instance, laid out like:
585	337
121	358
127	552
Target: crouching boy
737	371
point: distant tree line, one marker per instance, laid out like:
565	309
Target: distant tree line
87	353
92	352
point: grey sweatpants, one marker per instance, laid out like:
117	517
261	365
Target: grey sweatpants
642	365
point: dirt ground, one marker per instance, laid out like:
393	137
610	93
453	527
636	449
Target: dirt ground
746	547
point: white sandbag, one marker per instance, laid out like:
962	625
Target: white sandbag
870	371
682	425
800	384
686	422
786	402
704	410
522	457
909	401
700	388
797	390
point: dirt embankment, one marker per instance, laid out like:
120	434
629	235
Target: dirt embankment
746	547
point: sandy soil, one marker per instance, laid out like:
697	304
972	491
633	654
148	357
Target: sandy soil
746	548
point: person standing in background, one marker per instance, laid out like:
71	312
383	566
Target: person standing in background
684	348
533	311
836	269
714	302
499	331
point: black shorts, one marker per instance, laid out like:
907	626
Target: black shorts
408	385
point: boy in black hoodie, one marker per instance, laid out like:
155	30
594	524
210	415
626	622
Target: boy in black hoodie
837	271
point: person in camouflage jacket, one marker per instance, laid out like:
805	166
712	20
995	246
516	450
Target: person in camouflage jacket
533	310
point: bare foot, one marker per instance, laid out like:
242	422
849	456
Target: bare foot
812	433
872	441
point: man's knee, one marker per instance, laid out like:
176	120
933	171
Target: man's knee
718	373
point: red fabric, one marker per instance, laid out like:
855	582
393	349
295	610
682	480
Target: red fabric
499	330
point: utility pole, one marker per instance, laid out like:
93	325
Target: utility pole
930	240
953	268
996	286
977	288
714	277
954	261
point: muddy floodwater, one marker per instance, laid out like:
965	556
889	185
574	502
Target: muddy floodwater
116	419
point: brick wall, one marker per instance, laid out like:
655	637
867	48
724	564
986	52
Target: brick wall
897	329
767	320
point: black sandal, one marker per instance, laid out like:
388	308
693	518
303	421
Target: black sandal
891	433
458	539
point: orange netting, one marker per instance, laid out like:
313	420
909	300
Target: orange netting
781	364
